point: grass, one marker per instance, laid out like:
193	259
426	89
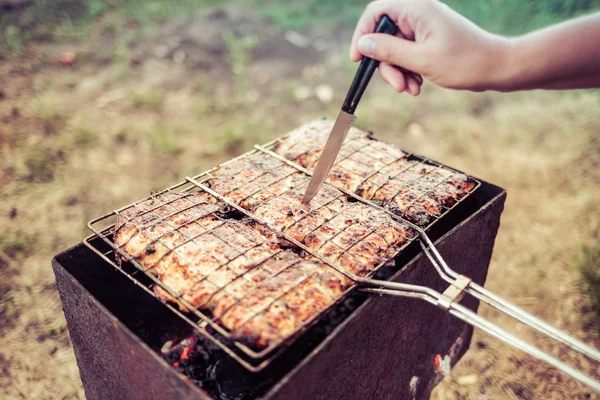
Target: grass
48	20
501	16
201	106
41	163
229	139
13	38
516	16
240	57
165	142
53	329
71	20
16	244
150	99
48	107
8	308
202	81
84	137
589	268
122	136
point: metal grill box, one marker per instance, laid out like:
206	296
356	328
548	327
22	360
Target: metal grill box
386	348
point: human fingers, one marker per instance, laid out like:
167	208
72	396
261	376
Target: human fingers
392	50
393	76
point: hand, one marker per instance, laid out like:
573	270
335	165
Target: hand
433	41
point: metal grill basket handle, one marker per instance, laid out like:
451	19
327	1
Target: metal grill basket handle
460	285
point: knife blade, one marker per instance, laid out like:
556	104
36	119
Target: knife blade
342	125
346	117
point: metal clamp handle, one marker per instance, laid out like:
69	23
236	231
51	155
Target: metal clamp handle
505	307
454	292
460	285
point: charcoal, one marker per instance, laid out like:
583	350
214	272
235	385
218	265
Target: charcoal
173	356
199	356
207	365
211	372
384	273
184	363
197	372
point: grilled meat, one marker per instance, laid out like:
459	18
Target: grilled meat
235	270
238	272
356	236
380	172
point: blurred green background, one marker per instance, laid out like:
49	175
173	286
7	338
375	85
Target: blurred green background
52	20
102	102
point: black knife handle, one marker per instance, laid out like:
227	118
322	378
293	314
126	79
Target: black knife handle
366	68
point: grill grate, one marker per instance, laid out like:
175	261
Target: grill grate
184	192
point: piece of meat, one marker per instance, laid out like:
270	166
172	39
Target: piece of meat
355	234
347	179
150	229
309	296
377	171
305	144
234	271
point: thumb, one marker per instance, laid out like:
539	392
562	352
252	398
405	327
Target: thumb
393	50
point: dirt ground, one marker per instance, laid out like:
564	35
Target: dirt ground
132	114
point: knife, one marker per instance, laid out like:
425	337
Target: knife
346	117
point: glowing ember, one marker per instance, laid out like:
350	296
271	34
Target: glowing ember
189	343
184	355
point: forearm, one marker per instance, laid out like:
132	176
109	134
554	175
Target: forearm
575	82
564	56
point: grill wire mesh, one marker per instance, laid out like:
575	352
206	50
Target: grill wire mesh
184	196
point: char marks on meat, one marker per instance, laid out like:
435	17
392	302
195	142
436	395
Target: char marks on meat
380	172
